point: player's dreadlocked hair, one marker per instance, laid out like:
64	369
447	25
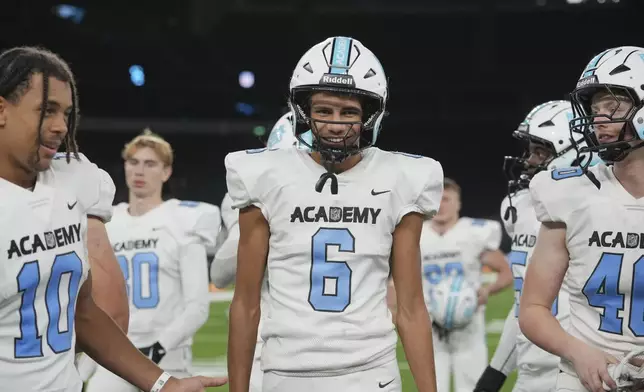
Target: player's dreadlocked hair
17	65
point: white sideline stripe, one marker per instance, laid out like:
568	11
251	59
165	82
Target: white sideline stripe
221	296
495	326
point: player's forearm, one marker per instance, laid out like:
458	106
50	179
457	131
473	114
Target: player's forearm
415	330
504	275
242	337
103	341
116	307
539	325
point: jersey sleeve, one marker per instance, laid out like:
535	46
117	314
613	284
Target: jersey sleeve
491	235
202	222
250	177
548	198
229	216
425	177
94	187
241	179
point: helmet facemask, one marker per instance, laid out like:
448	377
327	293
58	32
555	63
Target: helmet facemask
584	121
519	170
359	134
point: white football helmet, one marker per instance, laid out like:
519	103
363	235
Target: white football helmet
282	135
339	65
620	73
548	125
629	373
453	302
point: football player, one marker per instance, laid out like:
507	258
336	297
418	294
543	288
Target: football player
546	134
452	245
590	239
46	304
324	225
161	247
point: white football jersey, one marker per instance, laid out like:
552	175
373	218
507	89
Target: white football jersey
524	234
605	277
328	261
44	264
229	215
168	291
229	219
457	251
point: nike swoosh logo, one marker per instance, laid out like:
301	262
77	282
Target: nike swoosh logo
382	385
71	206
374	193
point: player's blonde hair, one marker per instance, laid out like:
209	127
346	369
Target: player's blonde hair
448	183
152	140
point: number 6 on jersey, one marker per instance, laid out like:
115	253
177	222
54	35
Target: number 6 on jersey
330	280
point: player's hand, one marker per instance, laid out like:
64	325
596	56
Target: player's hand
483	294
591	366
193	384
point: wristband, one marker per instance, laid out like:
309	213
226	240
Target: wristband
163	378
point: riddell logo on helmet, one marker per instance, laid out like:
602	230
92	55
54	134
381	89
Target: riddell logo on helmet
343	80
587	81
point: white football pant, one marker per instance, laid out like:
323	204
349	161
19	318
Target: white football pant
462	352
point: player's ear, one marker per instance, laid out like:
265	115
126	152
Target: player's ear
3	111
167	172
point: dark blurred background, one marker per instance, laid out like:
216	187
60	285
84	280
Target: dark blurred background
211	75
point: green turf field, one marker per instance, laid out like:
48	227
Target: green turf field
210	342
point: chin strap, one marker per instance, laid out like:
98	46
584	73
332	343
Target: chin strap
334	182
329	165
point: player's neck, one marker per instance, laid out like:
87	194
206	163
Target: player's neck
17	175
338	167
442	226
629	173
141	205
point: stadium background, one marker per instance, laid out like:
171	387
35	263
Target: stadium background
463	73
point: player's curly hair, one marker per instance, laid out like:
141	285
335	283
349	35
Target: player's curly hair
17	65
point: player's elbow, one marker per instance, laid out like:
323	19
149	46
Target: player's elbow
498	262
112	299
117	306
411	312
529	313
122	318
245	306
